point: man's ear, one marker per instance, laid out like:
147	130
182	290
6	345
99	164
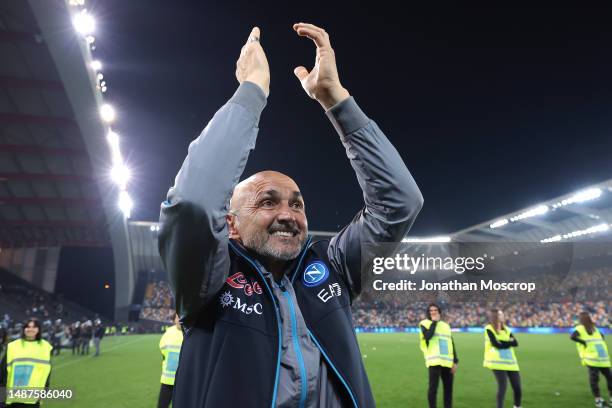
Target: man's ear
232	226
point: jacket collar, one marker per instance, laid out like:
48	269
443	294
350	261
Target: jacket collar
291	266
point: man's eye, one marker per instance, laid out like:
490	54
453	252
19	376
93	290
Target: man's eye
297	205
267	203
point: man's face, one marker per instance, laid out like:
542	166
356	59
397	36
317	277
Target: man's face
268	216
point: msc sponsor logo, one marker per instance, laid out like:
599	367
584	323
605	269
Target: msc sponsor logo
315	274
239	281
227	300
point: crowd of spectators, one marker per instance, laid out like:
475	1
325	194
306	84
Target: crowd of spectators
556	302
473	314
158	303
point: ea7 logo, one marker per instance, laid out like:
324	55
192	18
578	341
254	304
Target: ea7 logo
327	293
239	281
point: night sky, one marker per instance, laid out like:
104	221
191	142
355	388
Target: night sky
492	110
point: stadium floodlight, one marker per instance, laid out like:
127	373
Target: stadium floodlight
582	196
84	23
90	39
112	138
113	141
499	223
100	77
107	112
120	174
96	65
438	239
103	89
533	212
125	203
591	230
152	228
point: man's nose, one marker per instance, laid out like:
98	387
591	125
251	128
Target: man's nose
285	214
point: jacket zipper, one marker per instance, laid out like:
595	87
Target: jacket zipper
319	345
334	368
298	349
278	320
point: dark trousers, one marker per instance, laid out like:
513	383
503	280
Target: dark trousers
165	396
85	346
594	380
435	373
57	346
502	377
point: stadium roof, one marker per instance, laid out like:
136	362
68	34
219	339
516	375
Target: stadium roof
584	213
56	145
53	150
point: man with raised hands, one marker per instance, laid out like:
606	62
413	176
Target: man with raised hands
265	310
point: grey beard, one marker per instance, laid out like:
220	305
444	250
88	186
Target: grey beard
260	244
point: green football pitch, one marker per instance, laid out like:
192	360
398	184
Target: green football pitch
127	373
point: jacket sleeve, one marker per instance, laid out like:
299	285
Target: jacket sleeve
501	344
576	337
193	237
455	357
429	333
3	372
391	196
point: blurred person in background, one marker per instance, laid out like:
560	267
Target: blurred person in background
499	357
57	333
86	333
593	353
98	334
170	347
26	365
438	347
75	337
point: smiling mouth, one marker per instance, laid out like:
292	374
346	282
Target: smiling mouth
284	234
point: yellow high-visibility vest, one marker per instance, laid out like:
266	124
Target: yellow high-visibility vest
499	359
439	352
595	354
170	347
28	366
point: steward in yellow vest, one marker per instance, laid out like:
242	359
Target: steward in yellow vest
26	365
592	348
438	347
593	353
170	347
500	358
499	349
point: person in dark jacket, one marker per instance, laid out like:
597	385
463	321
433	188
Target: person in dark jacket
265	310
86	333
75	337
98	334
